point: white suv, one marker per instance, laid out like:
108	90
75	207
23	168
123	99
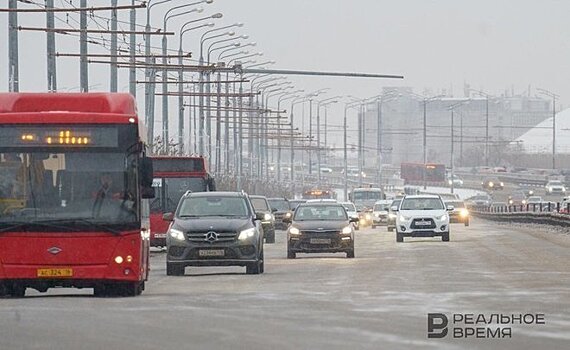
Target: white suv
422	216
555	187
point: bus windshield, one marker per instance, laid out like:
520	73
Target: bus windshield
65	188
168	192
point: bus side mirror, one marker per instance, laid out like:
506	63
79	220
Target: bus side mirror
146	174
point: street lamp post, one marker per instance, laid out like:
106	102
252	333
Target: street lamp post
452	108
346	108
287	96
319	104
554	97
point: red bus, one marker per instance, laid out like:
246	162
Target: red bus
174	176
73	175
413	173
319	194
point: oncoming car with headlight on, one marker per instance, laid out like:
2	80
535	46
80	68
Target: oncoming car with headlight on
459	214
422	216
492	184
214	229
320	228
261	205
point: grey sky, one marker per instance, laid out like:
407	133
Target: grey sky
493	45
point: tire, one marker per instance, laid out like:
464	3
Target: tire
373	226
270	238
99	291
390	229
253	269
445	236
357	227
350	253
399	237
467	223
174	269
291	255
17	291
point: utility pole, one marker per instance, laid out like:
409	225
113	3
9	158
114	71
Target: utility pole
83	69
132	45
51	66
13	70
379	143
114	70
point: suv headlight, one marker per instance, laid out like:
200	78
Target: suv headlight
267	217
245	234
347	230
405	218
442	217
464	212
294	231
288	214
176	234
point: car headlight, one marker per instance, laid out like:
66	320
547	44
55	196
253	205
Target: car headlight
530	193
288	214
549	189
502	184
464	212
442	218
176	234
450	182
392	216
347	230
491	184
368	217
294	231
246	234
511	201
267	217
523	201
405	218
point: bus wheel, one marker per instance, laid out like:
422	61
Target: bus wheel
17	291
99	291
132	289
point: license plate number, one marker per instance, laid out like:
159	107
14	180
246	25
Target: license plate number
160	235
320	241
211	252
422	223
55	272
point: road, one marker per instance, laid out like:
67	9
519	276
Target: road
380	299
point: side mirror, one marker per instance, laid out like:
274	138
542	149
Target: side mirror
394	208
450	208
259	216
146	175
168	216
273	210
354	219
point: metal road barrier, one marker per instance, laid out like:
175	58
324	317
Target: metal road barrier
550	213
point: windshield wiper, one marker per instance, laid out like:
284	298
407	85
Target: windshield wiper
78	220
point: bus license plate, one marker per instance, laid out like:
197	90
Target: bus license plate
55	273
211	252
320	241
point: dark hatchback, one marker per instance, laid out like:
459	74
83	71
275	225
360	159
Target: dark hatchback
261	205
214	229
320	228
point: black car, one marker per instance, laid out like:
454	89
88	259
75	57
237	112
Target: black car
320	228
492	184
261	205
281	210
214	229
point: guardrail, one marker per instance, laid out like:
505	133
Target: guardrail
552	213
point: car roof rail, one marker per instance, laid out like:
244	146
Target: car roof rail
187	193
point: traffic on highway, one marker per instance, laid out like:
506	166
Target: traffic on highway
216	174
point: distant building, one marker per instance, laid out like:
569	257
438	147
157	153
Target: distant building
402	127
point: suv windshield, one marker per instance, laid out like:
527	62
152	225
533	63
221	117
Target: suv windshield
259	204
422	204
213	206
321	212
279	204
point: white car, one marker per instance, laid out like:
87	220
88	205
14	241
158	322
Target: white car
380	213
555	187
422	216
352	213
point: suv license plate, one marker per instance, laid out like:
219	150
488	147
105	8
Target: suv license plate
423	223
211	252
320	241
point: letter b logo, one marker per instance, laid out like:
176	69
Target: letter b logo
437	325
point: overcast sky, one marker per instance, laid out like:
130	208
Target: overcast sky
493	45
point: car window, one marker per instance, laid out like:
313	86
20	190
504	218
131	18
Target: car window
259	204
213	206
279	204
422	204
381	207
321	212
